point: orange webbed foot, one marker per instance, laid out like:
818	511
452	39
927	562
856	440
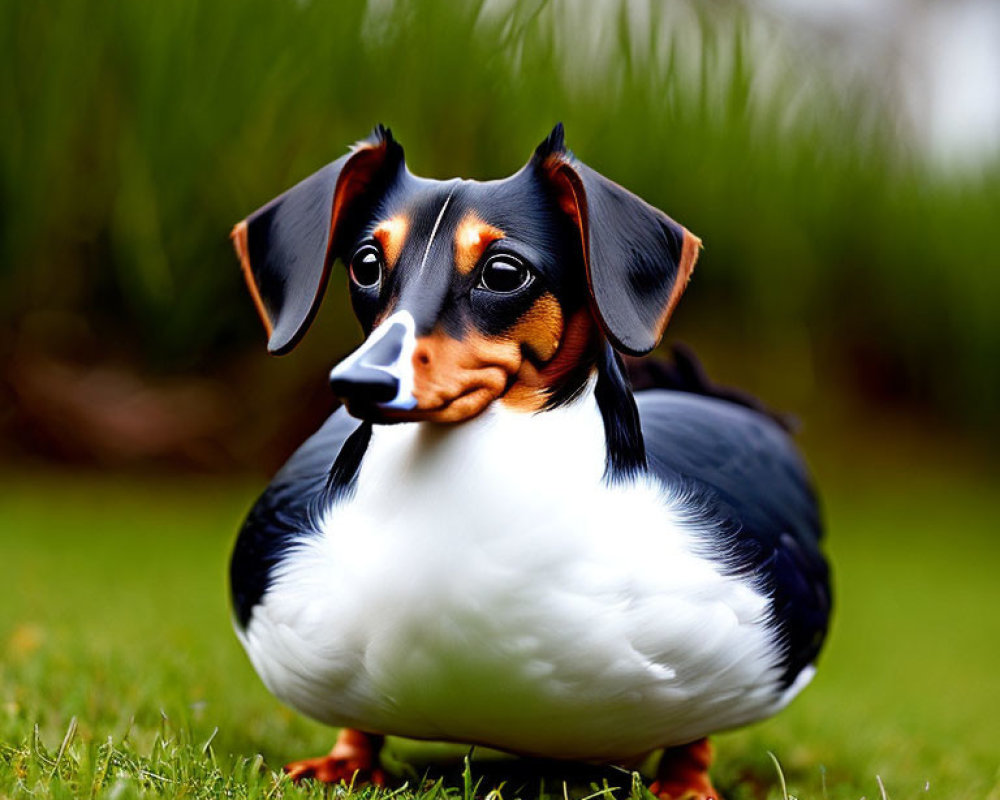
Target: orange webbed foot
683	773
353	759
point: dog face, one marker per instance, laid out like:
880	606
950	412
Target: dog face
469	293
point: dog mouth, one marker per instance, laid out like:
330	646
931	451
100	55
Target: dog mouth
461	407
373	412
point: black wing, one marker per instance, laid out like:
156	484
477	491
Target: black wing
288	507
745	477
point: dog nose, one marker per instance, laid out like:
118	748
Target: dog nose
378	370
365	385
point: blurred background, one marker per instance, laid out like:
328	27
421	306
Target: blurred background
840	161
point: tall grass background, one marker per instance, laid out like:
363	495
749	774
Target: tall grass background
838	264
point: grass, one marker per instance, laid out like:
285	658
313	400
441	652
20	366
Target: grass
122	678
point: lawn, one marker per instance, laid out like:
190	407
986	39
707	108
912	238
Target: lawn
121	676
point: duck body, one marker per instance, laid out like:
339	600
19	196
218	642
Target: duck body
489	583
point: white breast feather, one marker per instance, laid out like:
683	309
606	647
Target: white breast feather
485	585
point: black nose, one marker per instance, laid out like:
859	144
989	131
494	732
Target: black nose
363	384
369	379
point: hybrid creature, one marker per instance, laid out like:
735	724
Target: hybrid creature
495	541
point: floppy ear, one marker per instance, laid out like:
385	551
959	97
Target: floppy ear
638	260
287	246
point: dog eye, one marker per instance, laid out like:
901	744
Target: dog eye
505	274
366	266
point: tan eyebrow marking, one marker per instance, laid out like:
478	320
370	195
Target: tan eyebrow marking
472	237
391	234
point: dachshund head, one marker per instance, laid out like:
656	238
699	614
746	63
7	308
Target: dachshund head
469	292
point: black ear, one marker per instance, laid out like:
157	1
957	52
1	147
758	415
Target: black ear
287	246
638	260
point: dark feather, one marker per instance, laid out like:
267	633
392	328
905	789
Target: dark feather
291	505
623	437
554	144
743	475
685	373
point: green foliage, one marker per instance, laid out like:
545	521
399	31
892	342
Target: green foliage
121	676
135	134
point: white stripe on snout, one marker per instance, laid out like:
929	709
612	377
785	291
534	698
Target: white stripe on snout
401	369
434	230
